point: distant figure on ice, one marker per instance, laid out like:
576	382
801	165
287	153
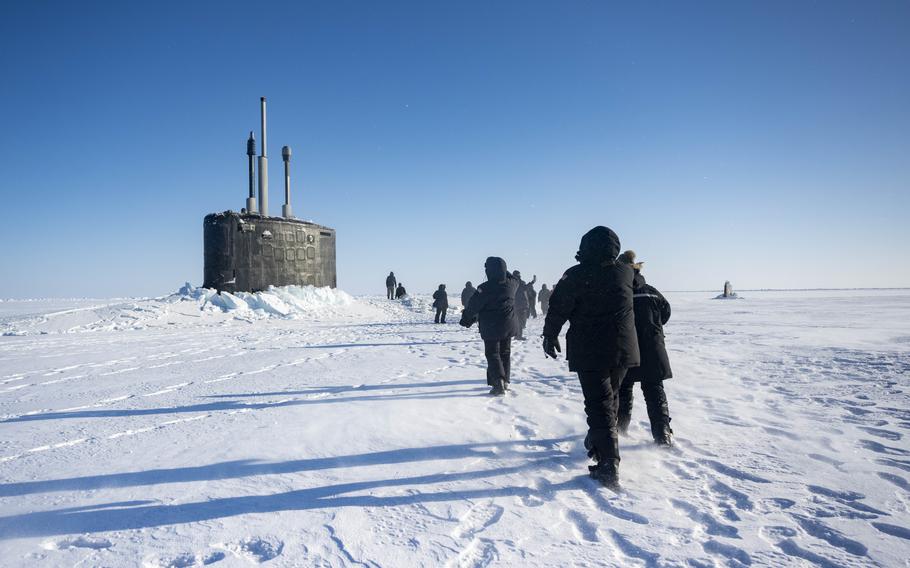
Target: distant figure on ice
652	311
532	297
467	293
390	285
522	304
400	292
595	297
544	297
441	303
493	305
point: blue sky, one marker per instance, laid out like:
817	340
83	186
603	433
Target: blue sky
767	143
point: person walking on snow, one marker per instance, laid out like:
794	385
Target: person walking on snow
532	297
466	294
390	285
652	311
493	306
595	297
544	297
522	304
441	303
400	292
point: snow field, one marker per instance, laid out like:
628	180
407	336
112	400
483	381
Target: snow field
356	432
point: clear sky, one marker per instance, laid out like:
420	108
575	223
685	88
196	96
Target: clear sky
767	143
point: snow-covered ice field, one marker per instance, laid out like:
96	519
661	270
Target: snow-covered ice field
171	432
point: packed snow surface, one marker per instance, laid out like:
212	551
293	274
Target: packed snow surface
301	427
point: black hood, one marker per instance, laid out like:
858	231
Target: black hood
598	245
468	285
495	268
638	281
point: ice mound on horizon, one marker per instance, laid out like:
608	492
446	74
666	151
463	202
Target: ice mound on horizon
280	301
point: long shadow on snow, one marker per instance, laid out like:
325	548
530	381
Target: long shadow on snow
399	344
80	520
229	405
245	468
348	388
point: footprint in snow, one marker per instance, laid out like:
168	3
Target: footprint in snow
185	560
254	549
893	530
826	459
728	551
582	528
895	479
83	541
821	531
899	464
711	525
477	519
632	550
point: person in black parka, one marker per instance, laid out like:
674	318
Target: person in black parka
441	303
466	294
652	311
390	285
522	303
493	306
595	297
532	297
544	297
400	292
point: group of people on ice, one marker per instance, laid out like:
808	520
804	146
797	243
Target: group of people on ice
615	338
394	289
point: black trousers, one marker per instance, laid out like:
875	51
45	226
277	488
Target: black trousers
534	310
391	292
522	322
543	308
441	315
655	399
499	355
601	391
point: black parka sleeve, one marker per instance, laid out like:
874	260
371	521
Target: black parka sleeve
562	304
475	305
664	310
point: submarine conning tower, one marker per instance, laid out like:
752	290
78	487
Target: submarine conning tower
250	251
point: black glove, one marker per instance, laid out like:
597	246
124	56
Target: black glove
551	346
464	322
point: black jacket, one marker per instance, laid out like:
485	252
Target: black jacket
466	295
521	296
544	295
400	292
595	297
652	311
440	299
493	304
390	281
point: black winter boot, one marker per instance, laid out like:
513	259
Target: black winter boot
622	423
607	473
497	389
592	453
664	437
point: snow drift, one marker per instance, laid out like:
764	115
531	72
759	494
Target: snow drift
188	306
282	301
